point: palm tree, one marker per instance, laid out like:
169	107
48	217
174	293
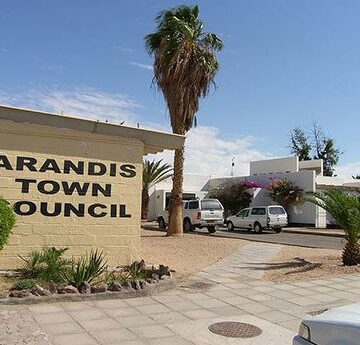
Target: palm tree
184	68
345	209
153	173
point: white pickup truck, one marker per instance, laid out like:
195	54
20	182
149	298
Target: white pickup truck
205	213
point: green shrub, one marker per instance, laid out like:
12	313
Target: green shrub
24	284
47	264
136	271
7	221
119	277
86	269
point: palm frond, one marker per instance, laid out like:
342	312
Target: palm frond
155	172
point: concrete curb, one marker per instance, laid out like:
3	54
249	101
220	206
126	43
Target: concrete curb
313	232
150	290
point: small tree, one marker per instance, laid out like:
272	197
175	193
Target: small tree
299	144
7	221
285	193
345	209
153	173
234	196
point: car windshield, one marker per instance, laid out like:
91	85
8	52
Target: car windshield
210	205
276	210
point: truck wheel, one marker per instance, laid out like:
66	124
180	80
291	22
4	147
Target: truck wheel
211	229
161	222
278	230
230	226
257	228
187	226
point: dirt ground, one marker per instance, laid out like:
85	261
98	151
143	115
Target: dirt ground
188	254
296	263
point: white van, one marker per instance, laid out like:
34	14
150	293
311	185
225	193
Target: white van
205	213
259	218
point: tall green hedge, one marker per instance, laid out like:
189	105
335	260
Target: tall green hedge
7	221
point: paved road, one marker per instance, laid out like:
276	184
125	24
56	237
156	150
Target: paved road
304	240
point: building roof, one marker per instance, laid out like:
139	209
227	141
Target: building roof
154	141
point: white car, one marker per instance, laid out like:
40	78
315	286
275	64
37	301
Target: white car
337	326
205	213
259	218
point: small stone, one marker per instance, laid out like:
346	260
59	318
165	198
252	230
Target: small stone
102	287
37	290
136	285
163	270
85	288
19	293
115	286
70	289
164	277
127	285
155	276
143	284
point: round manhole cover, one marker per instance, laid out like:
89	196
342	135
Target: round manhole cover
235	329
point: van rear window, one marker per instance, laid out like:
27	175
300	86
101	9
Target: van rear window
276	210
210	205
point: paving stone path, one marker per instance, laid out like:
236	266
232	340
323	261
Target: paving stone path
232	289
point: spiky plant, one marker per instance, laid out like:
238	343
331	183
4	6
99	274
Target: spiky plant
184	68
153	173
345	209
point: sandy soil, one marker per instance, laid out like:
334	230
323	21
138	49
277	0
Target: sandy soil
188	254
296	263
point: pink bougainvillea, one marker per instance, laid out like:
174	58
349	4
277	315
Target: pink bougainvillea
285	192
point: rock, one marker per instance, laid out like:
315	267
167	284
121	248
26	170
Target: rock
143	284
19	293
155	276
85	288
127	285
136	285
70	289
115	286
102	287
165	277
37	290
163	270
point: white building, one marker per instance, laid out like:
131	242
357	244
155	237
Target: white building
307	175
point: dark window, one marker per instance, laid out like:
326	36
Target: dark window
210	205
276	210
193	205
258	211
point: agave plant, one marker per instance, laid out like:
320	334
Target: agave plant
86	269
345	209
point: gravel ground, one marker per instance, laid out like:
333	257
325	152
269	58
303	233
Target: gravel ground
294	263
188	254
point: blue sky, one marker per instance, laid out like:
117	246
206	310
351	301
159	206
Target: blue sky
285	64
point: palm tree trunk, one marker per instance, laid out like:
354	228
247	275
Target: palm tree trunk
175	227
144	203
351	253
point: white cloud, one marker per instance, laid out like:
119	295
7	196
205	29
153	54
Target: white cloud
83	102
209	152
141	65
348	170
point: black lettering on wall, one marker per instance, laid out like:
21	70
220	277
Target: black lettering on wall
77	168
69	208
123	213
128	170
44	209
28	210
25	184
75	186
91	210
96	188
5	163
113	168
55	187
28	162
50	165
97	169
113	211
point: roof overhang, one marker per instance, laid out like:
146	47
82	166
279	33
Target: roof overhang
154	141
